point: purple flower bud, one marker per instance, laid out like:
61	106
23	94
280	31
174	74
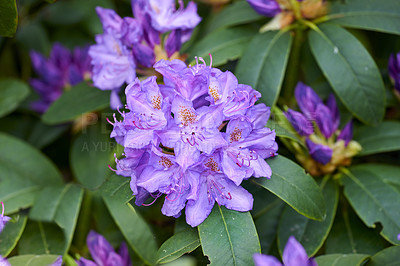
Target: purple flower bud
331	104
347	133
173	42
324	120
319	152
300	123
3	219
394	70
307	100
268	8
112	23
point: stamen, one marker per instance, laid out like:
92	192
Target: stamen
108	120
112	169
2	209
151	203
210	60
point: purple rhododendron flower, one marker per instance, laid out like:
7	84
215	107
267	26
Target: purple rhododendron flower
3	219
300	123
320	153
61	70
394	70
103	253
268	8
293	255
193	139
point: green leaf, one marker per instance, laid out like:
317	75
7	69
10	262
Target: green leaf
223	45
388	256
12	233
41	135
61	205
351	71
23	172
12	93
32	260
78	100
382	15
229	237
374	201
264	62
388	173
90	156
311	234
384	137
341	259
8	18
235	14
298	189
177	245
117	194
41	238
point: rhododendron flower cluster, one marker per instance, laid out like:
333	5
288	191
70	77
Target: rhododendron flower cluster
61	70
129	45
318	127
193	139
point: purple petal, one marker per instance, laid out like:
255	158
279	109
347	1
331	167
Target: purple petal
267	8
114	259
197	211
300	123
241	199
173	42
324	120
294	253
124	254
346	133
152	179
138	138
259	115
99	247
144	54
85	262
115	101
4	261
57	262
174	203
265	260
331	103
319	152
307	100
112	22
186	155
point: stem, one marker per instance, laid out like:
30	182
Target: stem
296	8
83	226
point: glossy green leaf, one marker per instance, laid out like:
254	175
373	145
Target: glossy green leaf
223	45
281	131
341	259
311	234
374	201
78	100
12	233
350	235
8	18
90	156
32	260
388	173
61	205
23	171
382	15
41	238
388	256
384	137
264	62
298	189
235	14
117	194
229	237
12	93
351	71
183	242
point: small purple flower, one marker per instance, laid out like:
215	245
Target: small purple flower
300	123
293	255
3	219
394	70
103	253
347	133
268	8
307	100
320	153
324	120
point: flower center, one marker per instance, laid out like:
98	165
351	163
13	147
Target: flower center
164	161
187	115
236	135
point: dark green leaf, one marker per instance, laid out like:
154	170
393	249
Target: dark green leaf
381	138
117	194
23	171
91	153
179	244
298	189
351	71
263	64
341	259
281	131
78	100
374	201
223	45
311	234
12	93
41	135
229	237
235	14
33	36
382	15
8	18
388	256
12	233
32	260
388	173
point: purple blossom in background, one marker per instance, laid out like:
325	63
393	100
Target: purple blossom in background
61	70
103	253
193	139
394	70
3	219
293	255
268	8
